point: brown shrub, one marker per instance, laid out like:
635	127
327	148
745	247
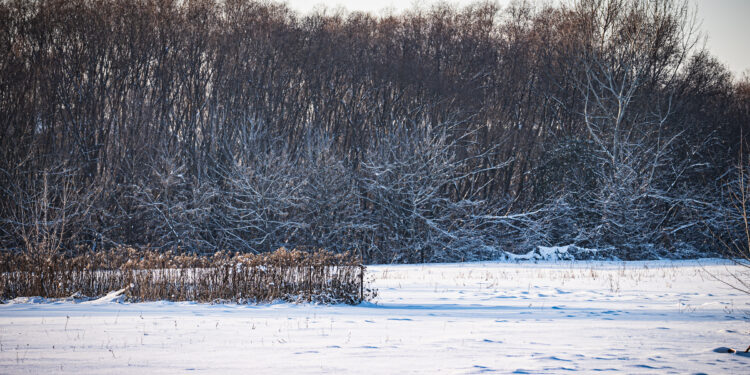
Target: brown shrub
148	275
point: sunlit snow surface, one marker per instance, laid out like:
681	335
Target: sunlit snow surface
612	317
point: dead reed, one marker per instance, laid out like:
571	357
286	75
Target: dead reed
293	276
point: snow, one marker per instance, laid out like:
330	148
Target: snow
540	318
554	253
114	296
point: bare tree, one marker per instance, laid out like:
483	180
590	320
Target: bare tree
634	172
735	240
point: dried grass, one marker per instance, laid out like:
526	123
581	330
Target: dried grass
148	275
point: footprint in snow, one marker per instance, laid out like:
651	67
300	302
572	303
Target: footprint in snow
648	367
554	358
483	369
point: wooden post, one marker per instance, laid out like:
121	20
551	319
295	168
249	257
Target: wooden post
361	282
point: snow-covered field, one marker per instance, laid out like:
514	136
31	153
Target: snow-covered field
609	317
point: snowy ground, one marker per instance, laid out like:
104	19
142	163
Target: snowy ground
635	317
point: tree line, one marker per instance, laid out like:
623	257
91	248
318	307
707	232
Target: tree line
430	135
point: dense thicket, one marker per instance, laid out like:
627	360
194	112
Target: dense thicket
436	134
